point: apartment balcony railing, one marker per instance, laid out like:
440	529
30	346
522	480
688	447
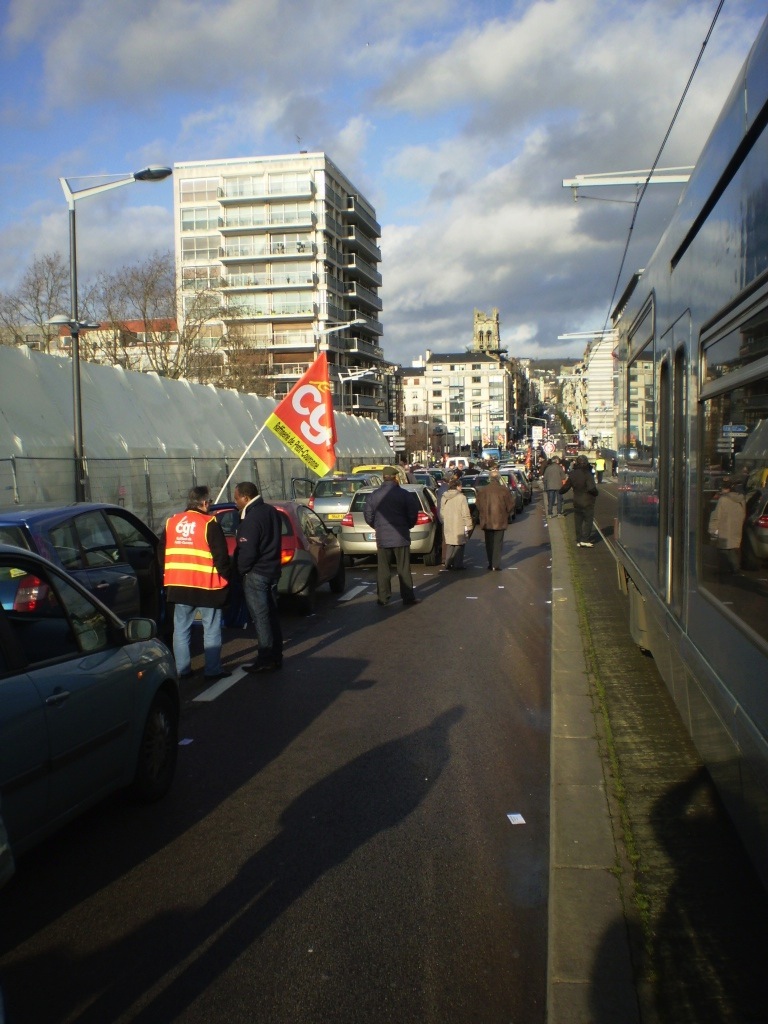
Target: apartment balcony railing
359	242
369	324
265	311
356	213
238	281
237	191
364	348
265	251
269	220
357	267
364	297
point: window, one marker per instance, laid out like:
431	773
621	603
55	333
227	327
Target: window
204	247
194	190
200	218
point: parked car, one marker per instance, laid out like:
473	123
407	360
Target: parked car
330	497
470	493
524	482
106	548
509	481
89	703
377	468
311	556
358	540
428	479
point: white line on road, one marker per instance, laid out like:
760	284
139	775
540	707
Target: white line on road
349	594
218	688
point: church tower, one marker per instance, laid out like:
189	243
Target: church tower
485	336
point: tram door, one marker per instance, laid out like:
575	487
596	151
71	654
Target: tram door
673	454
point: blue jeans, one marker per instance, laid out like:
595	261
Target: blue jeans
261	600
183	618
553	496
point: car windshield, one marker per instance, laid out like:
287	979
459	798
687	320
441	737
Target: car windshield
337	488
358	502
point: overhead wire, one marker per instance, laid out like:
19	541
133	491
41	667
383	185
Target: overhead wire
644	187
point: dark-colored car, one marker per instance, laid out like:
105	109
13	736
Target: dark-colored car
89	704
755	546
106	548
311	555
508	480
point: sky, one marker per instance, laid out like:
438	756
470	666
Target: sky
457	119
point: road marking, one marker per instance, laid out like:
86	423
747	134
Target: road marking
349	594
218	688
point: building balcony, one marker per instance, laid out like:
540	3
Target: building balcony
265	250
359	269
276	312
361	347
302	222
368	324
356	213
364	297
233	192
239	282
361	243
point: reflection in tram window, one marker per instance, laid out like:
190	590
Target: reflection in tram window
735	463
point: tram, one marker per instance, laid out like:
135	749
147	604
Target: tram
692	422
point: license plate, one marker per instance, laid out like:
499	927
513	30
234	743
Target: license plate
335	515
370	536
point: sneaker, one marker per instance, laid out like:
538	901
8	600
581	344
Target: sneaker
587	544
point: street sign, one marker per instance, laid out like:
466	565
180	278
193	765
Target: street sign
549	448
738	429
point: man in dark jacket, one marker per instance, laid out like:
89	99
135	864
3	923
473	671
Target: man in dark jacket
258	537
392	511
494	504
196	568
581	481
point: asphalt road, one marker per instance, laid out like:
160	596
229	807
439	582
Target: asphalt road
337	846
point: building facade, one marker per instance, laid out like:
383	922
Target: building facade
287	249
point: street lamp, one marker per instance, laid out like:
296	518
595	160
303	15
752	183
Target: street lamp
154	173
334	327
352	375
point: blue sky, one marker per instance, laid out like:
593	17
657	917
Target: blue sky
458	119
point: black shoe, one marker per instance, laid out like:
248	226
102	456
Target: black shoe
224	674
264	666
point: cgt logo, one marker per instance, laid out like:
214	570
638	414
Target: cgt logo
185	528
309	403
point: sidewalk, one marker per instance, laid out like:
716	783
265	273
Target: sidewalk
590	978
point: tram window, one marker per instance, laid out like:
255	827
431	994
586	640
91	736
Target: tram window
743	345
734	480
641	406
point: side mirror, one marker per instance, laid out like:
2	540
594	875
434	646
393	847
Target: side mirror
140	629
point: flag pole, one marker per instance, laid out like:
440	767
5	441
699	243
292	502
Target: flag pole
234	470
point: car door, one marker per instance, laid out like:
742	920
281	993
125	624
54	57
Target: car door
323	544
24	776
86	683
301	488
138	545
108	574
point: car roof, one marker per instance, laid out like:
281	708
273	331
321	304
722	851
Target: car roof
50	513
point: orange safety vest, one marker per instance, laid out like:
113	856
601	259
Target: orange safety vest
188	559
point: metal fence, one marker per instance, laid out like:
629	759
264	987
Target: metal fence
153	488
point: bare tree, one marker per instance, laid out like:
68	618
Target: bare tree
248	366
137	307
43	292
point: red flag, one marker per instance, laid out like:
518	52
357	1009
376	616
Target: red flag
304	419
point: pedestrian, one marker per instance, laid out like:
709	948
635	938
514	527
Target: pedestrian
553	480
258	550
494	504
391	511
581	481
457	524
614	466
195	575
599	466
727	523
409	475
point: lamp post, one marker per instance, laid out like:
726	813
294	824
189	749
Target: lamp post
154	173
329	330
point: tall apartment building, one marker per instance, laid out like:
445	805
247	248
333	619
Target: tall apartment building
288	245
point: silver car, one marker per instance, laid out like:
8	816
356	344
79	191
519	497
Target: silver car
358	540
330	497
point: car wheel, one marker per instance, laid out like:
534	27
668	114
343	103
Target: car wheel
305	602
349	561
339	581
156	763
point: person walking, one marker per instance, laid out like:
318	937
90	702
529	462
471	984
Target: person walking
727	523
457	524
494	504
196	567
581	481
599	466
391	511
257	554
553	480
